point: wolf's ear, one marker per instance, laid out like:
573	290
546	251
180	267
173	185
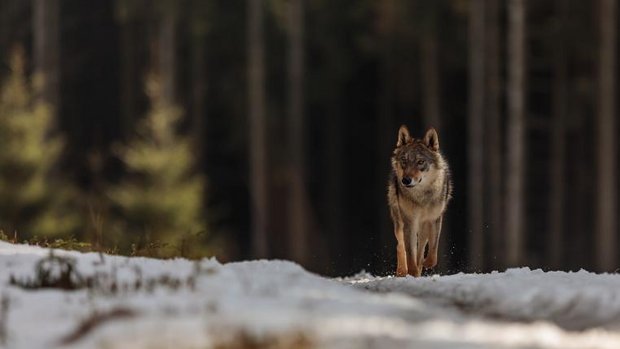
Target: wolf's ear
431	139
403	136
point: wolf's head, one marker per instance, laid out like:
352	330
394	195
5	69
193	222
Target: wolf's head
416	162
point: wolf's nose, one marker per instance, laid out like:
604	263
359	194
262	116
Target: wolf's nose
406	180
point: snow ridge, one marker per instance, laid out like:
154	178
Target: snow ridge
150	303
572	300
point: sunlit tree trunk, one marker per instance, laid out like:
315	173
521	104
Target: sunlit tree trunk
475	135
606	213
515	129
298	222
557	178
257	129
493	135
46	52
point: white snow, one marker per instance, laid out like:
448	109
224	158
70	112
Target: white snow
573	300
277	304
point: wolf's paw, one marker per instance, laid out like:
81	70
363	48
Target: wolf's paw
415	272
401	272
430	262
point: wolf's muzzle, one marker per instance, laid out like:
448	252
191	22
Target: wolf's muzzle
410	182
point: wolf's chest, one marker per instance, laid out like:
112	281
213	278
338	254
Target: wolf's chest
421	213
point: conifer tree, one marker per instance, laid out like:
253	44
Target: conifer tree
160	203
33	203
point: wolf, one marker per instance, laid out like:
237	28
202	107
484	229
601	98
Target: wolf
419	189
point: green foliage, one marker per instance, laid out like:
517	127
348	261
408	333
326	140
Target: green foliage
161	201
32	203
4	237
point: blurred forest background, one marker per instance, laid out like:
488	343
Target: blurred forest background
250	129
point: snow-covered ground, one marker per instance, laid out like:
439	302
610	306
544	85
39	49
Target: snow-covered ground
125	302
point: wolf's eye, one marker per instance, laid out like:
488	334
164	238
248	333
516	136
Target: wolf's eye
420	162
403	159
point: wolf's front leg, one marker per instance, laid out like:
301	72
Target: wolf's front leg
433	243
401	253
412	236
422	241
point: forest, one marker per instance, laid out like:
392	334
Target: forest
246	129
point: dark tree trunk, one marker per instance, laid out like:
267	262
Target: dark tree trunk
475	134
430	71
299	204
493	136
386	128
606	213
334	169
515	201
198	94
128	71
257	130
557	178
4	27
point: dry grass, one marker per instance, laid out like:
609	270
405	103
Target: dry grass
95	320
242	339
